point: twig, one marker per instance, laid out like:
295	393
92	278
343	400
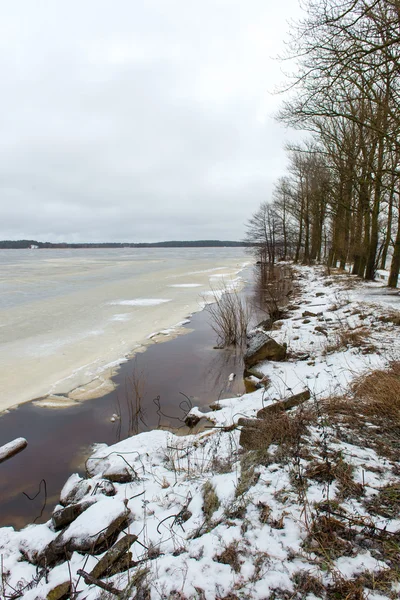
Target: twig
104	586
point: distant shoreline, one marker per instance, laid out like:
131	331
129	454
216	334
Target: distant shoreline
35	245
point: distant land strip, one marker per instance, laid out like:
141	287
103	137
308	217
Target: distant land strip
21	244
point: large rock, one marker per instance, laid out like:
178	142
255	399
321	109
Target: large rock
64	516
261	347
91	531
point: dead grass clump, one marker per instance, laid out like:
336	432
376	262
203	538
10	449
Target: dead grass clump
379	580
387	502
230	556
221	465
345	589
343	474
325	538
265	512
391	316
248	478
284	429
305	584
349	338
380	393
211	501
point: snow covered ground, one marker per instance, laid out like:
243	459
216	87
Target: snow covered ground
313	514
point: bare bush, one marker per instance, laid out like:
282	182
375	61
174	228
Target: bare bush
230	316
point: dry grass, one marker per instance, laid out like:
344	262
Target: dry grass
230	317
379	391
230	556
390	316
211	501
327	538
387	502
345	337
284	429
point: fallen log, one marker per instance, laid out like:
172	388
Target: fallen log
286	404
12	448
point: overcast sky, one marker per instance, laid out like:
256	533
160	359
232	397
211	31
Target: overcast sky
138	120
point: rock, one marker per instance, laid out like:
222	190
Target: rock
59	591
118	474
251	384
113	555
322	330
319	294
253	372
75	489
245	422
63	517
91	530
106	487
215	406
191	420
262	347
266	324
308	313
285	404
293	307
277	325
306	321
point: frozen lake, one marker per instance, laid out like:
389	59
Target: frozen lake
68	317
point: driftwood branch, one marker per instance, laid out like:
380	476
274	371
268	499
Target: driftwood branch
12	448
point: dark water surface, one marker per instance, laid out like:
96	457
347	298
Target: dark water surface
59	440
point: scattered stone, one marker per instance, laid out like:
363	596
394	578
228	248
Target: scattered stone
191	420
308	313
215	406
306	321
262	347
63	517
285	404
277	325
319	294
322	330
293	307
113	555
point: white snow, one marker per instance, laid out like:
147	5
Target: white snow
140	302
265	525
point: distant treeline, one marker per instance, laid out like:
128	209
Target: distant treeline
16	244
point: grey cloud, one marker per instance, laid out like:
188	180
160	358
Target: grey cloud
137	121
